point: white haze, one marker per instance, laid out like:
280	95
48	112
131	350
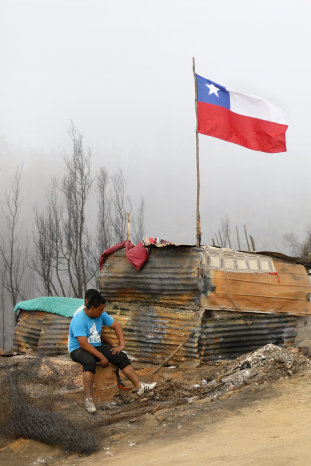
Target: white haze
122	72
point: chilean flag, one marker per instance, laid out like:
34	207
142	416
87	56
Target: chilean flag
243	119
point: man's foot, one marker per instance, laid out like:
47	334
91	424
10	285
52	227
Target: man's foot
146	387
90	407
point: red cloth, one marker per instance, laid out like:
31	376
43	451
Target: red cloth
136	255
111	250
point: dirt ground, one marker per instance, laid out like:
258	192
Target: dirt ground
267	422
266	426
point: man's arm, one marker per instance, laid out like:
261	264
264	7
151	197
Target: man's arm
85	345
106	339
119	333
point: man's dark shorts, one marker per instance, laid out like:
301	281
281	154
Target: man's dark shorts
89	361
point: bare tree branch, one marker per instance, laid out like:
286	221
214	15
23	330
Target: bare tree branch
118	214
66	254
14	257
104	233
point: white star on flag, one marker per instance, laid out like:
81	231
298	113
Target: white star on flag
212	89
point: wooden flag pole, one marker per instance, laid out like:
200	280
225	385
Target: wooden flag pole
199	232
128	226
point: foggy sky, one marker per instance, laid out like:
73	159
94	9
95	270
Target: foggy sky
122	72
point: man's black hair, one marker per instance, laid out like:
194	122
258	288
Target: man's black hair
95	300
91	292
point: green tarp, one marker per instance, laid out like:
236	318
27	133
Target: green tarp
65	307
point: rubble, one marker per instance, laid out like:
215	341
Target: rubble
268	363
55	378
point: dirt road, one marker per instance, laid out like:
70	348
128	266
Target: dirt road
266	426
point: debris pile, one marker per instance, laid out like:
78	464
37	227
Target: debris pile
268	363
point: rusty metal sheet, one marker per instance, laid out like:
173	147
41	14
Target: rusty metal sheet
286	291
27	331
153	332
39	331
170	277
228	338
54	336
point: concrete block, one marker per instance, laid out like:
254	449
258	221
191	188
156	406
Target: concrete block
304	321
303	333
105	383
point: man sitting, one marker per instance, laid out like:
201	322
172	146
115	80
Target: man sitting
86	347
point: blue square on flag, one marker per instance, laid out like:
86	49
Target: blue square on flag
212	93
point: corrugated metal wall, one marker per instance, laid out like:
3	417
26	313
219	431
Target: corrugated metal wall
158	306
231	336
170	277
153	332
41	332
27	331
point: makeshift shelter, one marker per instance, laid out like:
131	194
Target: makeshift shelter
43	325
228	302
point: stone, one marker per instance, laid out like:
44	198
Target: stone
149	420
166	377
189	364
305	350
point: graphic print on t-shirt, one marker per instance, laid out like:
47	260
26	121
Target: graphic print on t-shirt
94	337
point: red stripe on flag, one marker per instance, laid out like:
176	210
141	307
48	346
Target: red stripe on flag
253	133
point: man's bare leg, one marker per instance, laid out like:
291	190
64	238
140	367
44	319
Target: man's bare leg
130	373
88	379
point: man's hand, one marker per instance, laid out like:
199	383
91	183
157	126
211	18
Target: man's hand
119	333
117	348
104	361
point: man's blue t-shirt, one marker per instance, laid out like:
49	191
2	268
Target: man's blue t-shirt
83	326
